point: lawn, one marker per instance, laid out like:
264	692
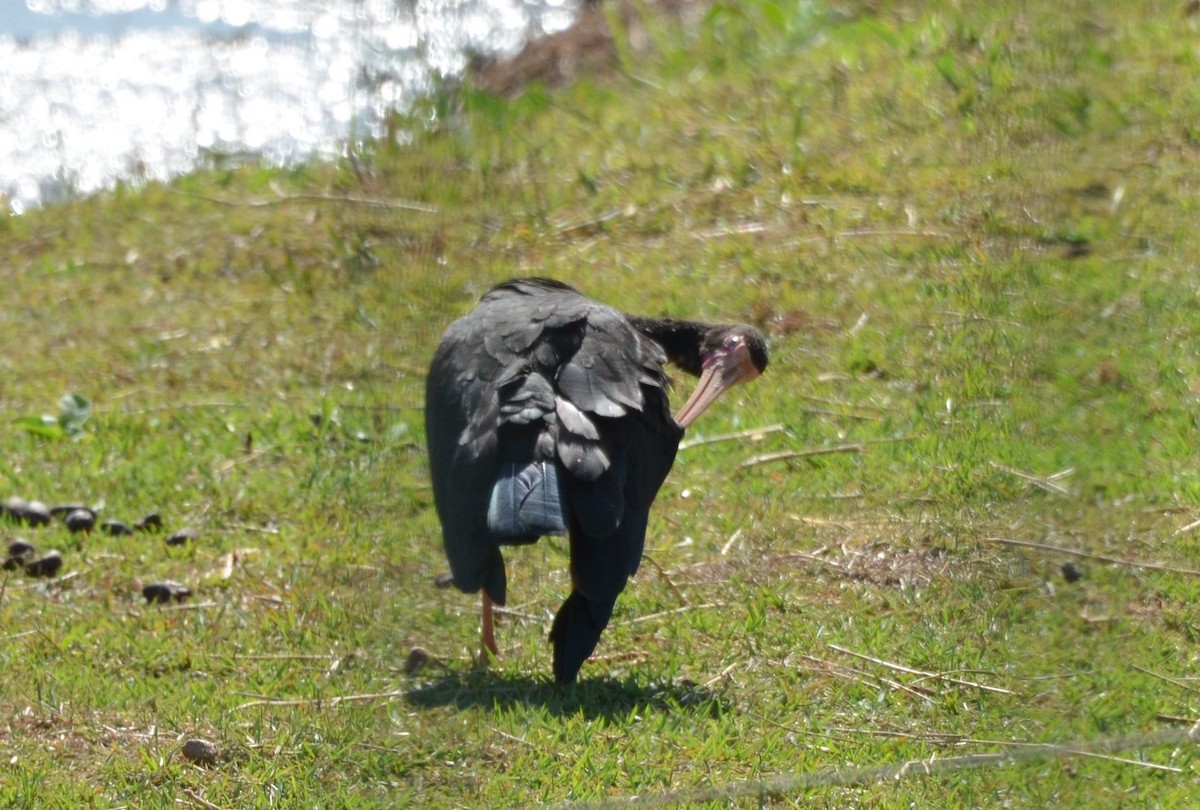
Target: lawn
970	235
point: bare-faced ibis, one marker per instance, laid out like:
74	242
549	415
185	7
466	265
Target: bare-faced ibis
546	412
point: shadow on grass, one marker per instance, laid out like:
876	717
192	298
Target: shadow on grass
595	698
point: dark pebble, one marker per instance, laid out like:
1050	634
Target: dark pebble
1071	572
165	591
61	510
201	751
418	658
31	513
116	528
20	547
19	552
80	520
47	565
182	536
150	523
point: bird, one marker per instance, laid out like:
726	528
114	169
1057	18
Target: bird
546	412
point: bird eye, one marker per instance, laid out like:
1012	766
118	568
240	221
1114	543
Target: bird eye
733	341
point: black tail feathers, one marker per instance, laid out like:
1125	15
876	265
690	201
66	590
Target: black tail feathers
575	633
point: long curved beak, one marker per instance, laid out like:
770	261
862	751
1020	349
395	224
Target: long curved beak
722	370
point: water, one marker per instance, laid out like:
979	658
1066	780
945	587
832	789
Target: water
92	91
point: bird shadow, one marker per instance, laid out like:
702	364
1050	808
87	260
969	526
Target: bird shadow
592	698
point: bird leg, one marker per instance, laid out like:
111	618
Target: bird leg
488	648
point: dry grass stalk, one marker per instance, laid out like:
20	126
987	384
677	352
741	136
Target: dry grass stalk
652	616
923	673
786	455
1049	483
753	434
1098	557
319	703
667	579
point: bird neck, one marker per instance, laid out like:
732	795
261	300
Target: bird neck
681	340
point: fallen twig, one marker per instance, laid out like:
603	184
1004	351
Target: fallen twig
285	199
652	616
853	447
932	737
229	464
1167	678
670	584
516	614
750	433
1072	750
200	800
1191	722
736	230
508	736
1049	483
794	783
1123	760
246	527
590	224
923	673
720	676
320	703
1088	556
785	455
1183	529
859	676
21	634
731	542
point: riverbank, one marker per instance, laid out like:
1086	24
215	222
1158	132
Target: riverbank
96	92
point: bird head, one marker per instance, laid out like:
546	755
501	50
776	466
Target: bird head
731	355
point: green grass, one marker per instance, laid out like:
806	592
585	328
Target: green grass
970	234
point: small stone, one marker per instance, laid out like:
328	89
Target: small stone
20	547
183	536
47	565
165	591
150	523
115	528
418	658
19	552
61	510
31	513
80	520
201	751
445	580
37	514
1071	572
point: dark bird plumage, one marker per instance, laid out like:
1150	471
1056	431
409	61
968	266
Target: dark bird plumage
546	412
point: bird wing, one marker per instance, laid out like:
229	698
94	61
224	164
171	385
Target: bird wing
538	370
462	416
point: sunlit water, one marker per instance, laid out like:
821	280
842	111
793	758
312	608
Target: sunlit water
92	91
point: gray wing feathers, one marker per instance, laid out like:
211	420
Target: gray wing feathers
540	358
524	397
